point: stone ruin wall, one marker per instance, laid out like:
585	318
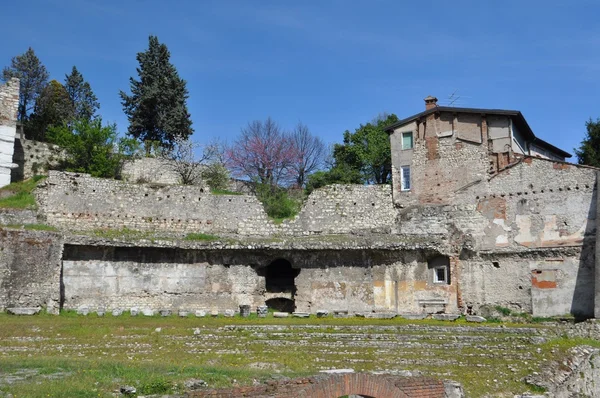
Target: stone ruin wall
9	104
34	158
30	269
79	202
356	281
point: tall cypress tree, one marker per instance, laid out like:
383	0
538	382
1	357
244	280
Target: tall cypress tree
82	97
157	109
33	78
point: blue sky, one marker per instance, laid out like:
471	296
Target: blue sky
330	64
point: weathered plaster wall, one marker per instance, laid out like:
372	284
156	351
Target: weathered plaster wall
448	156
113	277
355	281
9	103
30	263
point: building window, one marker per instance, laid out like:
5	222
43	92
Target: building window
405	178
440	275
440	270
407	140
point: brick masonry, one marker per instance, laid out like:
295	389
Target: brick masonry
377	386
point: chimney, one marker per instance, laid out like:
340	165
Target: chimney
430	102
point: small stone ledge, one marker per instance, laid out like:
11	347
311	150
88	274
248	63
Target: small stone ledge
445	317
24	310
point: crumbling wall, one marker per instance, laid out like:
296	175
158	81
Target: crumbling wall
156	171
30	263
343	209
34	158
80	202
9	104
149	278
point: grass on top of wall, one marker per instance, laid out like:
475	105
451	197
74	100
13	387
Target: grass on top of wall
19	195
224	192
200	237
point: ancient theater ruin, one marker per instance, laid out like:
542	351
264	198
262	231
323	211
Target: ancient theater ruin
481	212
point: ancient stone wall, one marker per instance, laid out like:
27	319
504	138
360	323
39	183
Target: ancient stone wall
9	104
154	170
356	281
30	266
34	158
80	202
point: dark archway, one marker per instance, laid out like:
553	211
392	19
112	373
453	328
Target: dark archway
279	277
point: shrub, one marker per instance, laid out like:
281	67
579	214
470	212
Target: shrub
276	201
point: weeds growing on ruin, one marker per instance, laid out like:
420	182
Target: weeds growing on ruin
201	237
19	195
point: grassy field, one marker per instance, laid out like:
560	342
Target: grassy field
77	356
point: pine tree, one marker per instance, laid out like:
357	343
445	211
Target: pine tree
157	109
52	108
33	78
588	152
85	102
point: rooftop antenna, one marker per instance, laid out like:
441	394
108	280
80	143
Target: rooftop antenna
452	98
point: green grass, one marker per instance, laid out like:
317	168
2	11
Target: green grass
77	356
19	195
224	192
200	237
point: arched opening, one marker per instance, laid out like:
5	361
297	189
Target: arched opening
281	304
279	277
280	285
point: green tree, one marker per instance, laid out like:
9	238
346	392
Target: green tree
588	152
90	147
85	102
367	150
52	108
157	106
33	78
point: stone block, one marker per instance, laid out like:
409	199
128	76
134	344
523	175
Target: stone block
148	312
23	310
183	313
340	314
300	314
262	311
200	313
164	312
83	311
134	311
281	314
229	313
244	310
100	311
322	313
475	318
380	315
214	313
445	317
117	312
414	316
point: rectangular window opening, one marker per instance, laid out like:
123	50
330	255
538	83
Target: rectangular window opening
440	275
405	178
407	140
